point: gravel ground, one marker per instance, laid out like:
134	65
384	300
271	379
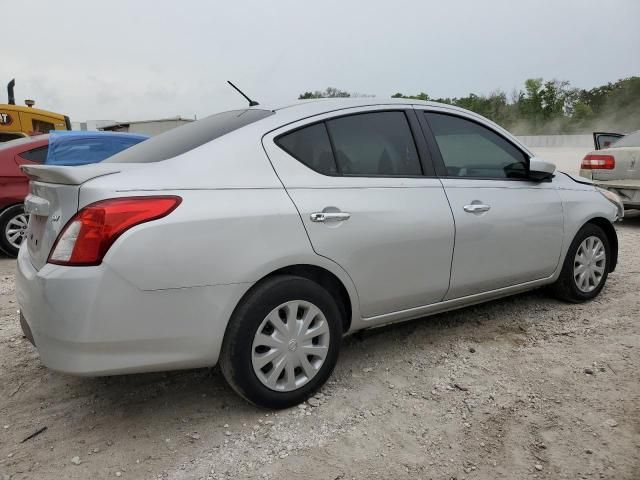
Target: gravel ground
524	387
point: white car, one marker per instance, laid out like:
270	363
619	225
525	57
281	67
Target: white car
615	165
257	238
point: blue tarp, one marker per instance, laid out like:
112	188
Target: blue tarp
81	148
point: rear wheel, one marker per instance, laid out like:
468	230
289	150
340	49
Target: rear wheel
586	266
13	229
282	342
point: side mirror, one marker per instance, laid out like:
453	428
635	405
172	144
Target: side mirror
540	170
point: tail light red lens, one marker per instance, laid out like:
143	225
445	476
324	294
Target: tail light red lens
598	162
89	234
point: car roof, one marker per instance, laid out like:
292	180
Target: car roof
308	108
322	105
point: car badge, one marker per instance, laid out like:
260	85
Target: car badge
55	218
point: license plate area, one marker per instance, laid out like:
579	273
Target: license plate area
35	231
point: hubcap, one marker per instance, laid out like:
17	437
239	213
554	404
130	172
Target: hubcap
589	264
290	346
16	229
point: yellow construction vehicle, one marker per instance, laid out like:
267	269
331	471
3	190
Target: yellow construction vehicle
17	121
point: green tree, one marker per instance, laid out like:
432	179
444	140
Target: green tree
330	92
420	96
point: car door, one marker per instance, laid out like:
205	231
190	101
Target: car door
509	229
369	201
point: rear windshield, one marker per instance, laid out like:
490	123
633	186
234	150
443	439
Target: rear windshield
187	137
631	140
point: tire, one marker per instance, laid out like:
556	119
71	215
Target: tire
568	286
11	217
284	299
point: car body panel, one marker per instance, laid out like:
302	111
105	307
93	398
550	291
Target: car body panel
527	219
14	185
111	326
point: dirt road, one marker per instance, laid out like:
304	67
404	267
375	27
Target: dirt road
525	387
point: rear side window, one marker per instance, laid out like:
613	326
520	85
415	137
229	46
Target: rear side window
187	137
373	144
471	150
311	146
37	155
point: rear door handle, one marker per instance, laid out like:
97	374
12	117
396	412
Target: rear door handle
321	217
476	208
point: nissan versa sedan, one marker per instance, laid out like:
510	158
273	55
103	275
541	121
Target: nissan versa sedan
257	238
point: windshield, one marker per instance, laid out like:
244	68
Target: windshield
630	140
187	137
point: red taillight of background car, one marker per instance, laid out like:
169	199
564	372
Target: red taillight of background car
598	162
89	234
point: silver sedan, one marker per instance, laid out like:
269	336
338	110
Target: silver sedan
257	238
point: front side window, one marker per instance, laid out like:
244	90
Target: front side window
472	150
374	144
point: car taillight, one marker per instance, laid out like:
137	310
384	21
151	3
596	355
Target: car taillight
89	234
598	162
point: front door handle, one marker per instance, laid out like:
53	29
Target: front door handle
321	217
476	208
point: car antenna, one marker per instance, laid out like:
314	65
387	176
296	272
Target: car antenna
252	103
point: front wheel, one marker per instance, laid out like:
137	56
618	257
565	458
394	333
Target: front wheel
586	266
13	229
282	342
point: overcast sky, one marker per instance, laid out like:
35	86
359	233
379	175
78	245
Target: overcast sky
140	59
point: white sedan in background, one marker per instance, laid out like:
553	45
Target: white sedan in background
615	165
257	238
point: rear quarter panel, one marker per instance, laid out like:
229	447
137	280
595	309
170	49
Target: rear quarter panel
236	223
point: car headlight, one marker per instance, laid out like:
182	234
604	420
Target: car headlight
615	199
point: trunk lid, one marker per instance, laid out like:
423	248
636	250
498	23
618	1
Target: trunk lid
53	200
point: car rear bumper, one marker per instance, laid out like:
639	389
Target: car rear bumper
90	321
627	190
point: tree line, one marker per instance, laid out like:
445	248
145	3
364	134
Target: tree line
544	107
